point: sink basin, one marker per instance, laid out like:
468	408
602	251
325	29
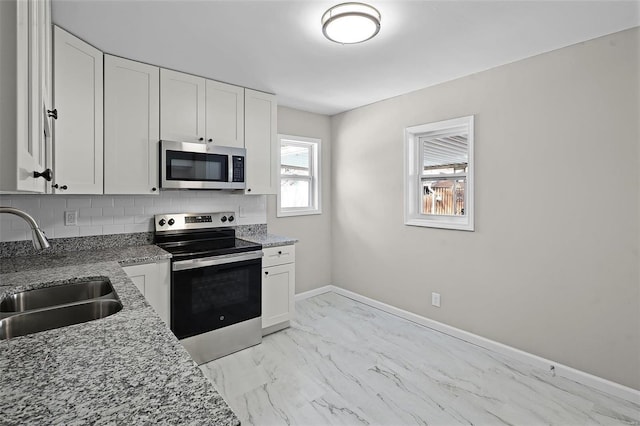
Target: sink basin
41	309
56	317
55	295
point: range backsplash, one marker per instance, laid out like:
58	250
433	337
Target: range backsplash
120	214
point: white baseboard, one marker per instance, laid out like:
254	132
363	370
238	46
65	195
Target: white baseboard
314	292
561	370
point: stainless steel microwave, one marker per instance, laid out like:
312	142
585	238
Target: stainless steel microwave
201	166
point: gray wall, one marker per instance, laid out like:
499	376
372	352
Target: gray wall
552	267
313	251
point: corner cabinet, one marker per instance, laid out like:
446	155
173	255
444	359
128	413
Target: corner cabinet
25	90
194	109
78	131
131	126
154	282
261	142
278	288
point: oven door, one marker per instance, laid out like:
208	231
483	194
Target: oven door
211	293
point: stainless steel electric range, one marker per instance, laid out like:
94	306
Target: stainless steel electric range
215	283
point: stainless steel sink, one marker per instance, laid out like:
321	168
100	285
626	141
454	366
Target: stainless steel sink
57	306
55	295
56	317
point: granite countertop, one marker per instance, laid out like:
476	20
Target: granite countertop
269	240
127	368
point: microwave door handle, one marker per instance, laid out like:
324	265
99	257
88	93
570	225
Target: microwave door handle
182	265
230	168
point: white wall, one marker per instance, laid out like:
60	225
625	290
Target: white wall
552	267
117	214
313	251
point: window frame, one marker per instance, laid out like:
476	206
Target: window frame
314	178
413	165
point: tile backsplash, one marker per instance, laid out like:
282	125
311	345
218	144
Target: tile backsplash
118	214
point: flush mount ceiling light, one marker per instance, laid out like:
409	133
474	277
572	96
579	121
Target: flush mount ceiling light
349	23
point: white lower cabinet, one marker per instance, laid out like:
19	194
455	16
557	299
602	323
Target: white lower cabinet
278	288
154	282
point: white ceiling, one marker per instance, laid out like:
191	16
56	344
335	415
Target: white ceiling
278	46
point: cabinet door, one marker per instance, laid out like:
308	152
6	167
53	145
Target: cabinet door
182	107
154	282
260	140
131	126
23	31
278	292
78	133
225	114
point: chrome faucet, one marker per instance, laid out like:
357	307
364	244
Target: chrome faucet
39	240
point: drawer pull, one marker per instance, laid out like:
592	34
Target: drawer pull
279	252
266	272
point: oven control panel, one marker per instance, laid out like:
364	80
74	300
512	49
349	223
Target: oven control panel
180	221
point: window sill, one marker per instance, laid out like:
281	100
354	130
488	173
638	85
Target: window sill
297	213
441	223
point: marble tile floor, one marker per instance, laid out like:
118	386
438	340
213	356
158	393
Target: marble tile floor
344	363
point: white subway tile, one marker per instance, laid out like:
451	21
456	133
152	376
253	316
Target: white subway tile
53	202
143	201
90	230
20	224
103	201
120	220
150	211
78	202
142	219
113	229
132	211
66	231
84	220
123	201
91	212
101	220
15	234
27	203
113	211
138	227
162	202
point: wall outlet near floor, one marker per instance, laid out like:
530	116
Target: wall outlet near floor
435	299
71	218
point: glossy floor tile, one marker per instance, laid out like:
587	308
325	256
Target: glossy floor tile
344	363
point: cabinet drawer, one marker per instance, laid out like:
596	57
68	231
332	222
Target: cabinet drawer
278	255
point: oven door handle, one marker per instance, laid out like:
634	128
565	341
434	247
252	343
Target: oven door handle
224	259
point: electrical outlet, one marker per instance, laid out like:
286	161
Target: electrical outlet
71	218
435	299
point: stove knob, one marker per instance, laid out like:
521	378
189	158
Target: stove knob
171	222
231	218
162	222
223	219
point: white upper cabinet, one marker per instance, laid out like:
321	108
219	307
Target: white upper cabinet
194	109
25	90
131	126
182	107
78	132
260	139
225	114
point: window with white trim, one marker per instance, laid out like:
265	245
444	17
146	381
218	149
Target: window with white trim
439	174
299	189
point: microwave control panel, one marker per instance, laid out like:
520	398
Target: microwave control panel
238	169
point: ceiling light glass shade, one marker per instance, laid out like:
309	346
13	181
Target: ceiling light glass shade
349	23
